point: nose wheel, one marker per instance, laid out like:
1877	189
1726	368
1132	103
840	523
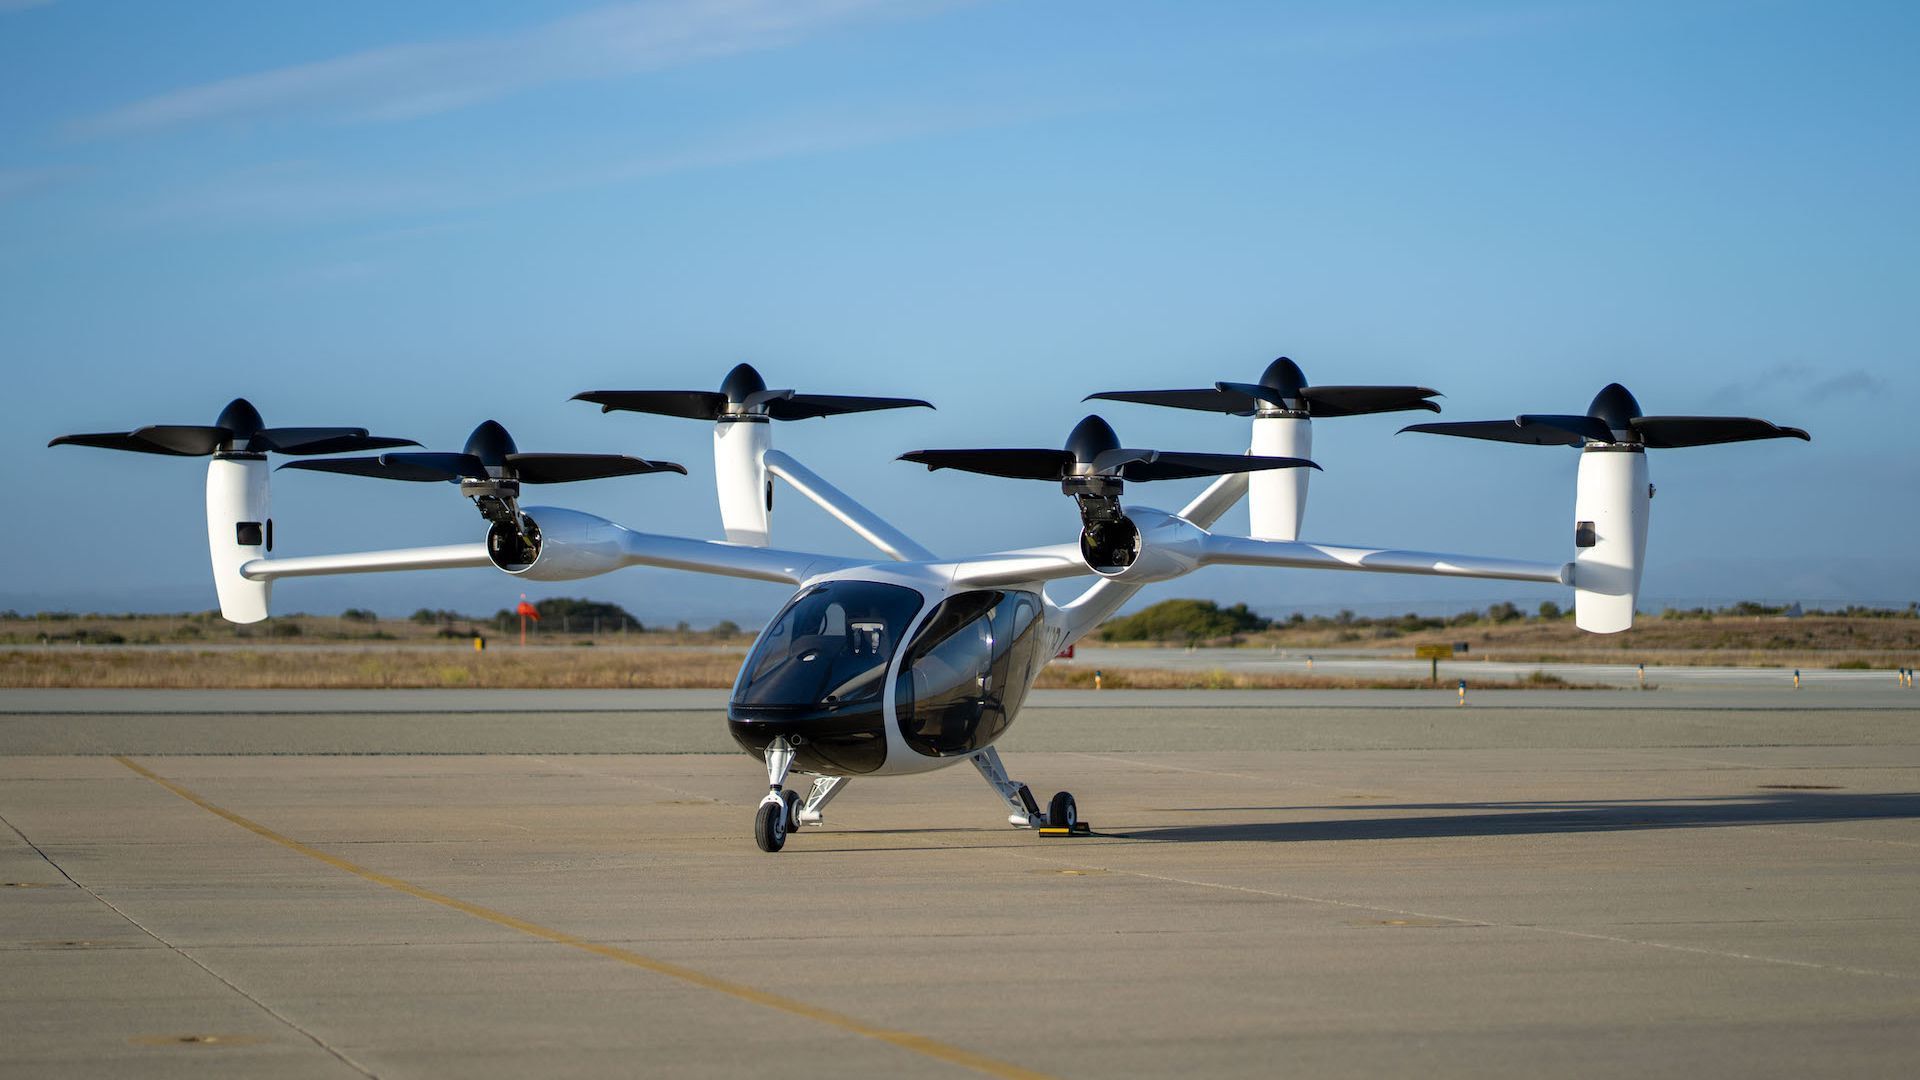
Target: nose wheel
771	821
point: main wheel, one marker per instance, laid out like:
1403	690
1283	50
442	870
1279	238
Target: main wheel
770	827
1061	810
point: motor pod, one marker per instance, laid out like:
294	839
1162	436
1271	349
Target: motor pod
1143	546
1610	509
1277	498
566	544
740	472
239	531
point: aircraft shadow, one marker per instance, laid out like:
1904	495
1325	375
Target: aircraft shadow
1527	818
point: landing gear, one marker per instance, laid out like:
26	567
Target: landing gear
813	812
1019	798
775	816
1061	810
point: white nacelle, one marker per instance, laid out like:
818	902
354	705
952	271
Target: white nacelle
239	531
1610	511
1277	498
572	545
740	476
1163	547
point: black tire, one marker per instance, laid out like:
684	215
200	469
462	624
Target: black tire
769	827
793	802
1061	810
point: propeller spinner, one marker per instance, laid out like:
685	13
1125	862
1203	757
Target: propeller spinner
743	395
1283	390
238	429
1614	419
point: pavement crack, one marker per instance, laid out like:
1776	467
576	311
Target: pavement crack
284	1019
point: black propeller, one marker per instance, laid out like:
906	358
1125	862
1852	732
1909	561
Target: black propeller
742	394
490	455
1614	419
1093	452
1283	388
239	428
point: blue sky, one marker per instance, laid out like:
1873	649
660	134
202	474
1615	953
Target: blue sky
415	217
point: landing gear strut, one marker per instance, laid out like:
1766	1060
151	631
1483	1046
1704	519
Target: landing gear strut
1019	798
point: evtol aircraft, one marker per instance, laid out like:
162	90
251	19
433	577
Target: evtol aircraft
915	662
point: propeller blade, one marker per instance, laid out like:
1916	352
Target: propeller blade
691	404
1586	427
1361	400
762	397
1509	431
1255	391
1174	465
418	468
321	440
566	468
344	444
1668	432
1233	403
1014	464
116	440
808	406
191	440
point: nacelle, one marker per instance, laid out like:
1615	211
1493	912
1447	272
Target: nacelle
564	544
1142	545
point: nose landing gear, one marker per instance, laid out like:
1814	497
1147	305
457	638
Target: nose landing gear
779	811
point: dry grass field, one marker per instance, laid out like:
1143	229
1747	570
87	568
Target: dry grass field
201	651
295	667
1723	640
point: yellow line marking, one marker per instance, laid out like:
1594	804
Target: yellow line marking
918	1044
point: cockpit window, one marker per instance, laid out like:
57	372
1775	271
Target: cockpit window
829	646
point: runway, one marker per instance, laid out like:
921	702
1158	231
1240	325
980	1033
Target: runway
1718	881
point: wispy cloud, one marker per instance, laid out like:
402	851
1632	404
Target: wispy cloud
401	81
299	192
1807	383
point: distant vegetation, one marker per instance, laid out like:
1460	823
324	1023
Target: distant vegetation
571	613
563	620
1184	621
1193	621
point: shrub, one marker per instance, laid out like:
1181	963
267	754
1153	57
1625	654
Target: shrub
1185	621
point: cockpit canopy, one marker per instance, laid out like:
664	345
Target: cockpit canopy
830	646
818	674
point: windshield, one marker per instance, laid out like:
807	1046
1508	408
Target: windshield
829	646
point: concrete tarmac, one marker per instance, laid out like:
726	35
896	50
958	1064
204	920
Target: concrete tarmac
411	883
